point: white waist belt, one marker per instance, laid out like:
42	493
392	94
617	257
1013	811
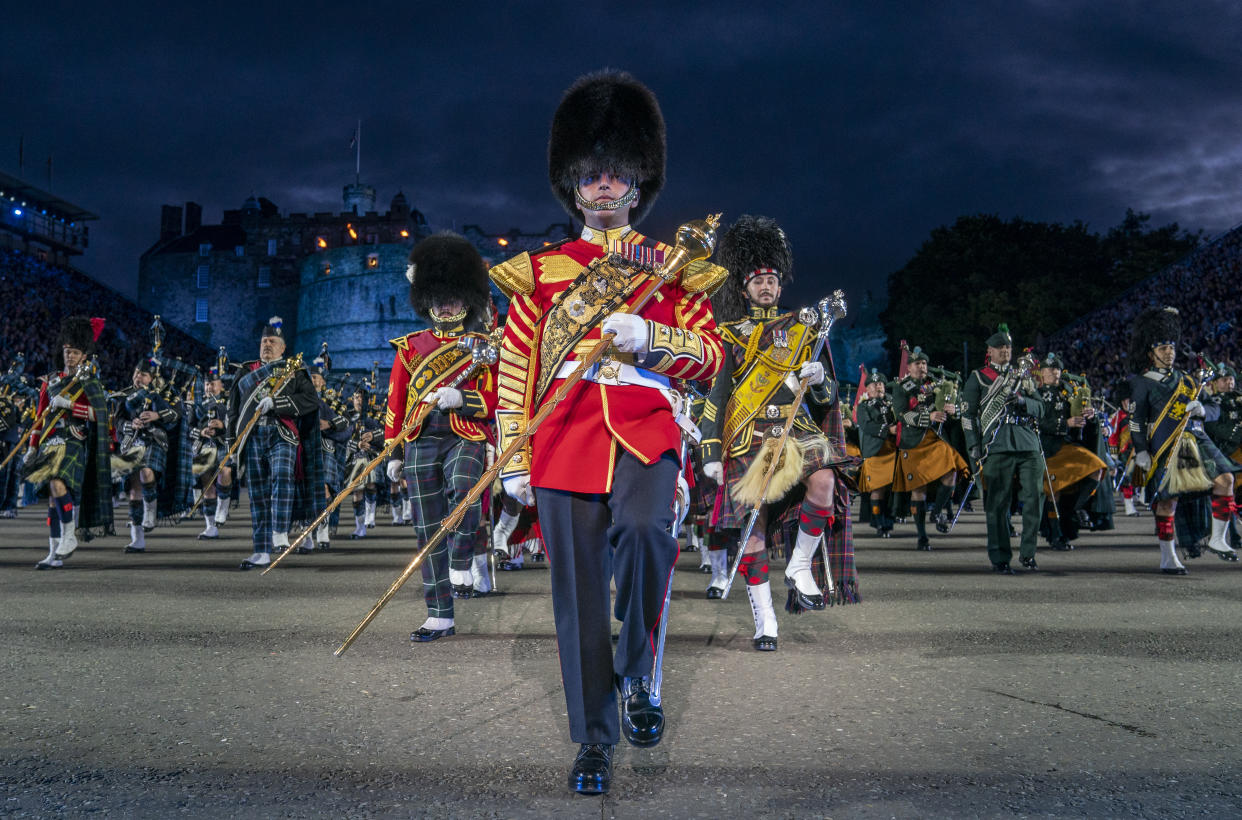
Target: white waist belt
624	374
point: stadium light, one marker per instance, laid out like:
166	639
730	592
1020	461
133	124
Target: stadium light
17	212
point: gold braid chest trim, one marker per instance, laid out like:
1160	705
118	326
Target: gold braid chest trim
595	292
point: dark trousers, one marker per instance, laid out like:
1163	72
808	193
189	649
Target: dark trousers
998	473
593	539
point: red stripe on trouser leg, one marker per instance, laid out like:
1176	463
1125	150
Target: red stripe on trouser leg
1164	527
754	568
811	519
1223	507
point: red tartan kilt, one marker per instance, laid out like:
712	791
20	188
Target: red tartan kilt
732	515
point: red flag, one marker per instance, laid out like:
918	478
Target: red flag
905	360
862	389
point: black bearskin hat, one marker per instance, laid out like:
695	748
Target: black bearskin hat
448	266
607	122
80	333
144	365
1122	391
1152	328
751	245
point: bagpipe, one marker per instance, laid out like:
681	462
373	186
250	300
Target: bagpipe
46	461
945	390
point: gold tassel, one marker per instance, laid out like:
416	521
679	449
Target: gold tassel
1185	471
746	491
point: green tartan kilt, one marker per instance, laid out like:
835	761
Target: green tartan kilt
72	468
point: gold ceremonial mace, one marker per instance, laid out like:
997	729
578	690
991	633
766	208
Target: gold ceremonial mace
695	240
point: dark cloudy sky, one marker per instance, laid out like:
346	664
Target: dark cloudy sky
859	126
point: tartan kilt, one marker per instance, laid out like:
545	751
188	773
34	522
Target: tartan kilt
703	493
1215	463
333	464
156	457
72	468
732	515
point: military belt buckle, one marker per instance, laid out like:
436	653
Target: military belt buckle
607	368
771	412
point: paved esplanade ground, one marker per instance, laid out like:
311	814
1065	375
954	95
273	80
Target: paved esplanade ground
172	684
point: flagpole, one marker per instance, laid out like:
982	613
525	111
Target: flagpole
358	158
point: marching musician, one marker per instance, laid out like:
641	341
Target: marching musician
211	412
287	428
1000	410
145	422
68	445
1120	447
334	433
446	453
877	431
1226	431
766	354
366	432
923	457
1074	471
1171	449
604	465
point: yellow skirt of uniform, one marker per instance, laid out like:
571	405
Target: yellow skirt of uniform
1072	464
877	470
930	461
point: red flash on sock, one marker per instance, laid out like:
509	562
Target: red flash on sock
1223	507
1164	527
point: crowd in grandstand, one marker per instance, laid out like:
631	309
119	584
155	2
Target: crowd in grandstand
1203	287
38	295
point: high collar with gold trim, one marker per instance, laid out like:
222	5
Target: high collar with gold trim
763	314
444	332
604	237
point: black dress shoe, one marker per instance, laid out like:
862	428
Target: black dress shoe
463	591
1002	568
1173	570
323	546
924	544
714	593
303	550
798	601
508	566
1083	518
942	521
538	558
706	569
642	722
765	643
1030	564
423	634
1062	545
131	550
592	769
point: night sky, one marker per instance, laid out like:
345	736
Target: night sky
859	127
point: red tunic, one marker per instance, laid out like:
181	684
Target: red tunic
577	447
478	391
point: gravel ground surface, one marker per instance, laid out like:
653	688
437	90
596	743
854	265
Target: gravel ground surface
172	684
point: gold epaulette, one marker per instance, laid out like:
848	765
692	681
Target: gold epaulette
701	276
515	275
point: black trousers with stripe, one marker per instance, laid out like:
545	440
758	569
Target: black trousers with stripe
593	539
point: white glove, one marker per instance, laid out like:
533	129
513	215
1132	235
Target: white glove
630	330
1194	409
266	404
29	455
518	486
394	470
1143	460
715	471
813	372
445	398
63	403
